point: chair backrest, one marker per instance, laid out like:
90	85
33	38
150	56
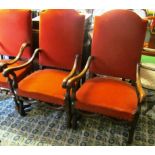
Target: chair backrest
15	29
117	43
61	37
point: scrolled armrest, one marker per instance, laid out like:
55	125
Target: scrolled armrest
4	65
148	51
22	48
72	72
81	74
9	70
139	85
149	18
147	67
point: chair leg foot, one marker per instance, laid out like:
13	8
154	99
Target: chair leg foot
16	104
75	119
21	109
132	129
74	122
27	107
131	134
69	123
69	118
17	107
130	138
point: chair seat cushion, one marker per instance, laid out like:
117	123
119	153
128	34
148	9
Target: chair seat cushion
44	85
110	97
20	73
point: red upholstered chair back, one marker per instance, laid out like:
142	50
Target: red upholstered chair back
61	37
117	43
15	29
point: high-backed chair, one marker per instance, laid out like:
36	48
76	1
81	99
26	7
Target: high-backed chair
117	43
61	34
15	42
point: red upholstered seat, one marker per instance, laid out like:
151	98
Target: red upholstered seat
20	73
109	97
44	85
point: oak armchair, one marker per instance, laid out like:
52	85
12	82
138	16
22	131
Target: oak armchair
113	87
15	43
61	34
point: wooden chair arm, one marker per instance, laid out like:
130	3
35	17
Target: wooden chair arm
9	70
148	51
22	48
139	85
81	74
72	72
147	67
149	18
4	65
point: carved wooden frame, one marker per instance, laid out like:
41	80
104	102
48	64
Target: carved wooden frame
76	114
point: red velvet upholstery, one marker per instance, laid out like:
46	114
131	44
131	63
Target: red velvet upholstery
20	74
117	43
15	29
61	37
44	85
109	97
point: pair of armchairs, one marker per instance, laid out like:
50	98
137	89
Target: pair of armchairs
117	43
